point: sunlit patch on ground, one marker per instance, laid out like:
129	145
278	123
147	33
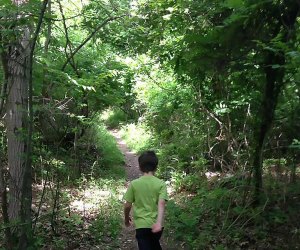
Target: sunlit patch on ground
93	208
90	200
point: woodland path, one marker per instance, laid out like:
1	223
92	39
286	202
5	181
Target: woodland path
127	236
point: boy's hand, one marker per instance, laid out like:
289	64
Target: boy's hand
128	222
156	227
127	208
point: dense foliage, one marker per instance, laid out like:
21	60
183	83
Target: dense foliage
212	86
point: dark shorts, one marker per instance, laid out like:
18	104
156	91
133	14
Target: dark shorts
148	240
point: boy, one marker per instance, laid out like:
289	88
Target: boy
148	194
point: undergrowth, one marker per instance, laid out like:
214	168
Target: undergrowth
222	217
88	207
136	136
113	117
107	226
218	212
110	155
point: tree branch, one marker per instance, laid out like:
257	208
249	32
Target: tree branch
68	42
89	38
28	162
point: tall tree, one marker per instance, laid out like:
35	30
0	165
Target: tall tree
18	57
16	120
281	20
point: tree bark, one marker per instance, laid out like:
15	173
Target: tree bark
3	166
4	85
16	118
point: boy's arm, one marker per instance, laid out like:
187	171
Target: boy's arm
127	208
129	199
157	227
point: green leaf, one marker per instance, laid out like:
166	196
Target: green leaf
234	3
6	2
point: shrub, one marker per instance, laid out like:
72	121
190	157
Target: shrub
113	117
137	136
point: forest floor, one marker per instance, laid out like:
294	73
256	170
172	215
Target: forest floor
90	214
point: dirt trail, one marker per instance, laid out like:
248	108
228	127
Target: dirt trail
127	236
131	159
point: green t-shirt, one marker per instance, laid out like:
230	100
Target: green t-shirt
144	193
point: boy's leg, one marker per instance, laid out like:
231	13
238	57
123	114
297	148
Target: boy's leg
155	245
148	240
144	238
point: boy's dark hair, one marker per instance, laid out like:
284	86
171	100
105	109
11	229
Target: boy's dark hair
148	161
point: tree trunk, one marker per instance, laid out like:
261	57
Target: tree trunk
20	193
19	125
48	34
274	72
3	164
274	83
4	85
18	78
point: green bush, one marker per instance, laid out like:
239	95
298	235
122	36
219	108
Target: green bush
111	159
114	117
136	136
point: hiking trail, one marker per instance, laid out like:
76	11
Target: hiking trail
127	236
